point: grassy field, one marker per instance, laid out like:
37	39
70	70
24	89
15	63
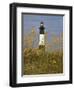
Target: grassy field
37	61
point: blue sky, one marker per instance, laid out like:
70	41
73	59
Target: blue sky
52	23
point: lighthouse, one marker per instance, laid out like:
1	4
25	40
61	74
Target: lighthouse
41	36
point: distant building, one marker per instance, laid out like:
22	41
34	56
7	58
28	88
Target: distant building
42	36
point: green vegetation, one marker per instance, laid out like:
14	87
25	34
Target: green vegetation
37	61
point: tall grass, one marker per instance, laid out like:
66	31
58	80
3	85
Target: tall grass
37	61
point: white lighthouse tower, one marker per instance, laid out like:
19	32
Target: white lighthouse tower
42	36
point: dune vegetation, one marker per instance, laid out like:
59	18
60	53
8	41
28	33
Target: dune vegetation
40	61
37	61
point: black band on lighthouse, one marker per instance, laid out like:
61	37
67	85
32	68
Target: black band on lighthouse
41	28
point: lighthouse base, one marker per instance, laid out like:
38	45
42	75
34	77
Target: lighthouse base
42	47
